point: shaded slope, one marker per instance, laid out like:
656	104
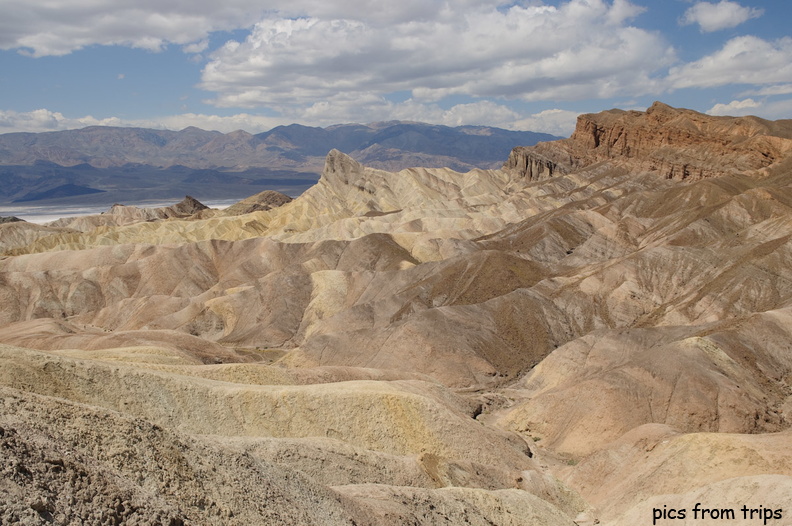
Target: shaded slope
591	306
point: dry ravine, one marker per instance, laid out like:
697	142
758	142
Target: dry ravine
598	332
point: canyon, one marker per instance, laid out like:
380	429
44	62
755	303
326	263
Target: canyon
598	331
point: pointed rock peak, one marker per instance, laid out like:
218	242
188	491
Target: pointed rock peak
337	161
660	112
191	203
658	106
197	130
239	134
117	208
265	200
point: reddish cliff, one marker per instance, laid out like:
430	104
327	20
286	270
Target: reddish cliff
675	143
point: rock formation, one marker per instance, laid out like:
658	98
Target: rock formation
597	330
266	200
100	165
119	214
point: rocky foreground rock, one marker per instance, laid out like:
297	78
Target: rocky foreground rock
597	331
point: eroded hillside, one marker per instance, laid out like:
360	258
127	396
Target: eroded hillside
598	329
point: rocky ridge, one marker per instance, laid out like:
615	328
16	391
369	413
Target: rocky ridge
677	144
582	335
294	146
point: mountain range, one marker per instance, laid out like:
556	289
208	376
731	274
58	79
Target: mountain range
597	332
106	164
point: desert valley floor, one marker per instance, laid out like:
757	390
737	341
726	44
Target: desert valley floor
598	332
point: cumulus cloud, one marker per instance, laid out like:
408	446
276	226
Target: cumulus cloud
43	120
735	108
742	60
723	15
333	61
241	121
582	48
557	122
767	109
44	27
47	27
197	47
371	108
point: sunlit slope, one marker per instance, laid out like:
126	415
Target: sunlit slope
612	308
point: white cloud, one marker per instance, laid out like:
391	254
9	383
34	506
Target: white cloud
742	60
46	27
371	107
197	47
43	120
778	89
622	11
51	27
723	15
581	49
735	108
764	108
557	122
225	124
323	62
479	113
338	60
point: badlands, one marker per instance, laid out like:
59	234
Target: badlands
600	332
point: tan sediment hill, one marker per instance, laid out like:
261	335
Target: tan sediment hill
266	200
17	234
596	330
119	215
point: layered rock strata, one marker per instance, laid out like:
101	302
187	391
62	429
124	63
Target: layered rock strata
598	329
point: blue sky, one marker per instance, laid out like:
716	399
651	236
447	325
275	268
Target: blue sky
255	64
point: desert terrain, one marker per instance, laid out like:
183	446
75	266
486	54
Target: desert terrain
599	332
103	165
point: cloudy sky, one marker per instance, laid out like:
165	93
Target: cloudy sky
255	64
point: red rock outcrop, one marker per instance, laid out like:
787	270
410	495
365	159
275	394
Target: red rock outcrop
675	143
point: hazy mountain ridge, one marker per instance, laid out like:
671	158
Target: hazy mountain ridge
192	147
584	334
92	159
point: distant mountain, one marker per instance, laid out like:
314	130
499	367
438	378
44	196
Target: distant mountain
294	147
125	163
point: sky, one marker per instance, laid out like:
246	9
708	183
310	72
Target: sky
256	64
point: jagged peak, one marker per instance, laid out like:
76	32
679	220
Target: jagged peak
661	107
339	162
191	201
186	207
